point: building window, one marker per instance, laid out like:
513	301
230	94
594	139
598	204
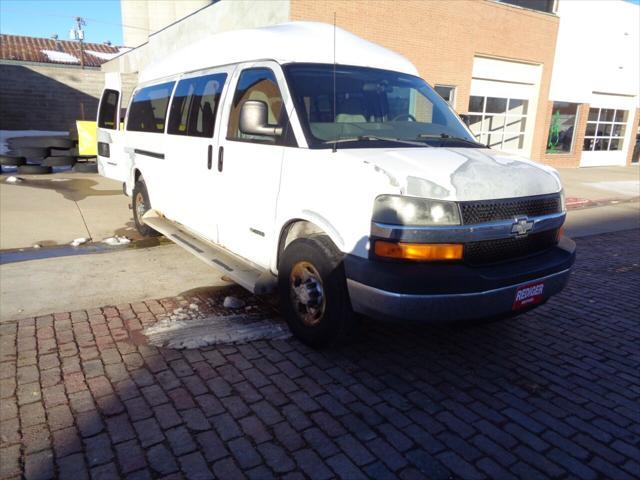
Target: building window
563	124
498	122
540	5
605	129
448	93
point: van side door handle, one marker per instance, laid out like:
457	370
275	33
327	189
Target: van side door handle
209	157
220	158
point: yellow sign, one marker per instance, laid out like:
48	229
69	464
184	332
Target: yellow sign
87	138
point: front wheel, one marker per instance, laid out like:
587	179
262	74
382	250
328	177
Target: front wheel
313	291
140	205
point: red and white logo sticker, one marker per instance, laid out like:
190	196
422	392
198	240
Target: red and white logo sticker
528	295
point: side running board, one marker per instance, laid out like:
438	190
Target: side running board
252	277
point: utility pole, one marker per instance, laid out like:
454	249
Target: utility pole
77	33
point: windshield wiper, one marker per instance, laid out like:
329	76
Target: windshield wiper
366	138
446	136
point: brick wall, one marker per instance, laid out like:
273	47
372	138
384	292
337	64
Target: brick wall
442	37
41	97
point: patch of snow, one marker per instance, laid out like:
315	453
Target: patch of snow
102	55
233	302
56	56
13	179
116	240
79	241
215	330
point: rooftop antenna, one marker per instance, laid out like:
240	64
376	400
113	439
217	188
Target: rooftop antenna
77	33
335	112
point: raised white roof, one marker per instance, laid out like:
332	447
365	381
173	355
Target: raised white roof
309	42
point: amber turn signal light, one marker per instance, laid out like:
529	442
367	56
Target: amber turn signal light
560	233
419	251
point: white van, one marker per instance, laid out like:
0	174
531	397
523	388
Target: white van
303	159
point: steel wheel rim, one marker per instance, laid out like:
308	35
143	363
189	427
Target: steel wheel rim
307	293
141	208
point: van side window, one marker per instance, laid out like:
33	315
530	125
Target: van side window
148	110
259	84
108	109
194	106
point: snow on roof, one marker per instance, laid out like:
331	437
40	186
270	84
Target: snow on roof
310	42
49	50
60	57
102	55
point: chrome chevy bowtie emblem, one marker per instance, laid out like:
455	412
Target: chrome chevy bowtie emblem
522	226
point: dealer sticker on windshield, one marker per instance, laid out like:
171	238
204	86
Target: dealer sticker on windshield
528	295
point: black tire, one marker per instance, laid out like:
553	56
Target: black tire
140	204
11	161
85	167
33	152
30	169
59	162
333	319
63	152
41	141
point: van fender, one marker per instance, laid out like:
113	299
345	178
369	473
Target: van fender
312	217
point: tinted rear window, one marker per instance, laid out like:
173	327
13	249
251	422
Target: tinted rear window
194	106
148	111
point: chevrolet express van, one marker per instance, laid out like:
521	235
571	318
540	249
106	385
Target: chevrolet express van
303	159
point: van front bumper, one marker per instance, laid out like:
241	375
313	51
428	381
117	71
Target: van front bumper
439	292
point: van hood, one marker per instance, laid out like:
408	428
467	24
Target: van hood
459	173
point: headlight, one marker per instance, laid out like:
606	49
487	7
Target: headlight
414	211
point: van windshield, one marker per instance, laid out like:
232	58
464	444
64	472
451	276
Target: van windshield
372	108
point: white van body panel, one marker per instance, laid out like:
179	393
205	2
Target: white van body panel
459	174
334	191
308	42
340	187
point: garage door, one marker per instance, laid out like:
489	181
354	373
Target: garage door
502	105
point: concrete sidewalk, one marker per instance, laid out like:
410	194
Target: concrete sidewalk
598	184
55	209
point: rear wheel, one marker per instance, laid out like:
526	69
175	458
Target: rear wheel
140	204
313	291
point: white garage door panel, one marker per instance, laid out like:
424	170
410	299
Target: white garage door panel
489	88
506	71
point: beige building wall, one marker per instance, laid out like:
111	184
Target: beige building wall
140	18
442	38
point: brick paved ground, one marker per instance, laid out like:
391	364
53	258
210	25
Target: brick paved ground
552	394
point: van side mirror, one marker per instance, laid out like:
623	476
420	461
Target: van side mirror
253	119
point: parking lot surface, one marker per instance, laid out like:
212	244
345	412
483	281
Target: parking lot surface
551	394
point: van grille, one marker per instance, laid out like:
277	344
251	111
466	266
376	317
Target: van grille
494	251
508	208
